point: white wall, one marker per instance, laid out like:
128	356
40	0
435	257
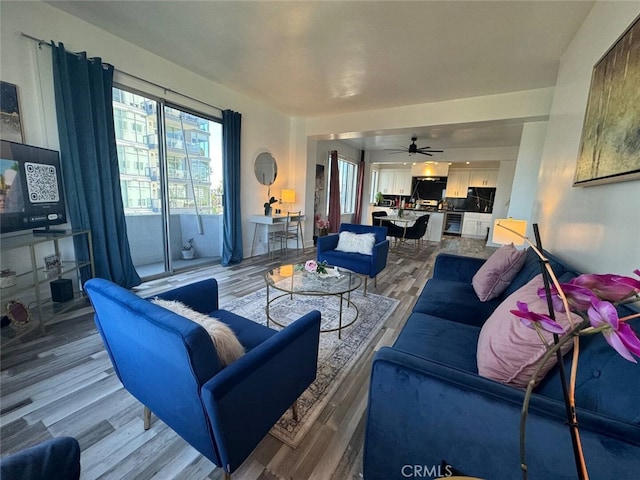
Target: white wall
27	66
525	181
501	203
596	229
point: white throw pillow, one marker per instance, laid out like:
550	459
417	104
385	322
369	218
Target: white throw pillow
356	242
227	345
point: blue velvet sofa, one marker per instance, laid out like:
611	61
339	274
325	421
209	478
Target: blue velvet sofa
170	364
427	404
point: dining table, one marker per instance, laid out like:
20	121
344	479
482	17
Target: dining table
403	222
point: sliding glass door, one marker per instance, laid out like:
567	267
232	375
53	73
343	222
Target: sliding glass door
171	180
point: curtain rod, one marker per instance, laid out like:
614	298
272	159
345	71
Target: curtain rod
148	82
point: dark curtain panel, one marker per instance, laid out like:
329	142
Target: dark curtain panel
231	218
357	215
90	162
334	194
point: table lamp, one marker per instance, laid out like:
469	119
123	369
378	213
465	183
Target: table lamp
509	230
288	197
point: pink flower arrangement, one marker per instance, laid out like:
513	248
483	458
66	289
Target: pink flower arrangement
322	223
592	297
312	266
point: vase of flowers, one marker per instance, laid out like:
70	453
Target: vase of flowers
313	267
323	226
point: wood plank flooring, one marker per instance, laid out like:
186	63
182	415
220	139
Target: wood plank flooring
62	383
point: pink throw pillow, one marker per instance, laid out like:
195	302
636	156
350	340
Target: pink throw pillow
508	351
495	275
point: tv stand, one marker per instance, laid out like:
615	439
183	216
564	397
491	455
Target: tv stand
48	231
24	254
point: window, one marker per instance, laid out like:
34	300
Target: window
136	194
133	160
348	172
170	162
129	125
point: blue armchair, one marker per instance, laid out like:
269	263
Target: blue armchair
370	265
169	363
54	459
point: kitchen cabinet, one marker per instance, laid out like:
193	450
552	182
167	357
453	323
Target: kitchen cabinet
402	182
395	182
476	224
440	169
483	178
434	226
457	183
385	182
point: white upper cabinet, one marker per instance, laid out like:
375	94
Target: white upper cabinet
385	182
395	182
457	183
402	182
483	178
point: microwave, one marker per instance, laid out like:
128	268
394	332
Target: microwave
388	203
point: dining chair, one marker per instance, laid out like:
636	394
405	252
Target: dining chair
292	230
393	230
417	230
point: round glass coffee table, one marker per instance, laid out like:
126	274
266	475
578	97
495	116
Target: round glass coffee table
295	280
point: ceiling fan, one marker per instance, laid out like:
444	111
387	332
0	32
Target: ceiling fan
413	148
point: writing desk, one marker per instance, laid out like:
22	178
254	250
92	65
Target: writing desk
269	221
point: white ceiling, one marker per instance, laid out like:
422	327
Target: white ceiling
313	58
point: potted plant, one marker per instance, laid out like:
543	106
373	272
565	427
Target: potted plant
379	198
187	250
267	206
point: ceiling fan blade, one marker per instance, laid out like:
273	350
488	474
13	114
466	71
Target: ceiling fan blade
427	149
425	153
397	150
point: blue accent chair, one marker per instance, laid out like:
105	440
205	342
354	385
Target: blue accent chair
369	265
169	363
55	459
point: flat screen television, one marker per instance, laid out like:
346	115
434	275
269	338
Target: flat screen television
31	193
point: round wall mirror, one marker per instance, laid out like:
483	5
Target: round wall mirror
266	168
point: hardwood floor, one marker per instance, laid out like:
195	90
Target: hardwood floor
62	384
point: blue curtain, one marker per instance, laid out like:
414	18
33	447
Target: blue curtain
231	218
90	162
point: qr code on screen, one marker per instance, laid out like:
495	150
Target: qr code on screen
42	182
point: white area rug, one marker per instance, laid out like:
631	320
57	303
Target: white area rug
336	357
